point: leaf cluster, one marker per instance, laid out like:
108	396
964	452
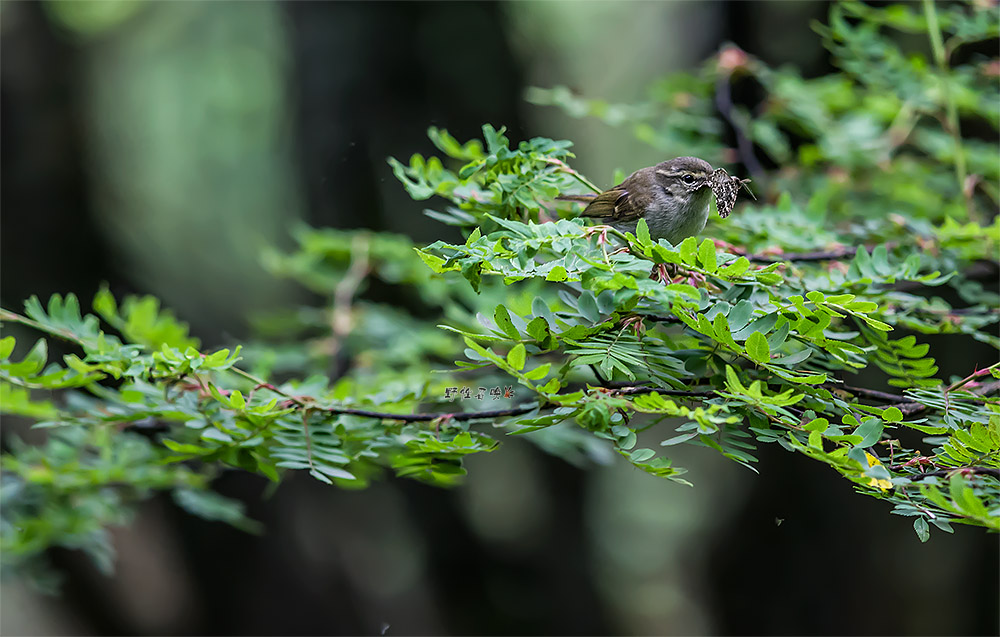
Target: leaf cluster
609	344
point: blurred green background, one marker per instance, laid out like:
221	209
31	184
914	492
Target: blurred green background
160	146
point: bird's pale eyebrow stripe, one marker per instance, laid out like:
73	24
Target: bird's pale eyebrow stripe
683	172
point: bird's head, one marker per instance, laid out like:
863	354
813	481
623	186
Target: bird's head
683	175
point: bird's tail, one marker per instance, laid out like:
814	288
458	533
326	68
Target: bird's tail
578	198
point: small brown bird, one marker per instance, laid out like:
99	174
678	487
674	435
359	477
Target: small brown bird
672	196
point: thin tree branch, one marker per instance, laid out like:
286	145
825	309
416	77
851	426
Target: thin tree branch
13	317
340	323
656	318
828	255
342	314
910	409
951	111
724	102
260	383
564	167
305	430
465	415
648	389
869	393
988	471
971	377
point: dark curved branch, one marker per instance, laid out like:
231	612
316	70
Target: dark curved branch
820	255
829	255
597	375
724	102
869	393
464	415
628	390
656	318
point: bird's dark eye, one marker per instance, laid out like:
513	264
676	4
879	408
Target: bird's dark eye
688	179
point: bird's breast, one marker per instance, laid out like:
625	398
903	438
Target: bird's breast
686	220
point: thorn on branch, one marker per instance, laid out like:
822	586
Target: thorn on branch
971	377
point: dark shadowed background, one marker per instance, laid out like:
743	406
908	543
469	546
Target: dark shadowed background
160	146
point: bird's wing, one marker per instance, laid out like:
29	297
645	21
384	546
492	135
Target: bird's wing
615	205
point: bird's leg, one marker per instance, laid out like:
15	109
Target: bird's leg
601	232
664	272
667	273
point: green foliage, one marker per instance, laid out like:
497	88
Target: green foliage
84	479
505	182
589	342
